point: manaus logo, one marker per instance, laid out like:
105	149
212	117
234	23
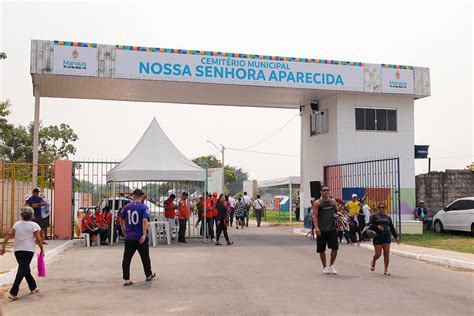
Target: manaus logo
74	63
398	84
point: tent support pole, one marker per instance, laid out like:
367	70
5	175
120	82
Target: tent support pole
112	219
291	202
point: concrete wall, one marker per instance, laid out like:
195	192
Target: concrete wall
438	189
343	142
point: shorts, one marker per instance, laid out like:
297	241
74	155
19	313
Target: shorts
382	239
45	222
328	238
38	220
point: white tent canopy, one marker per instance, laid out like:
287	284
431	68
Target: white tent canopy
280	182
156	158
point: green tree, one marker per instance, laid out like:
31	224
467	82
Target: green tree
55	142
4	112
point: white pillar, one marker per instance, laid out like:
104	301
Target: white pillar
111	241
36	126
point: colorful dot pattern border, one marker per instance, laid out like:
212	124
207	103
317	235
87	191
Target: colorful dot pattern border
224	54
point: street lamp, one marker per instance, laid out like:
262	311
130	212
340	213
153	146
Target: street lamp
221	150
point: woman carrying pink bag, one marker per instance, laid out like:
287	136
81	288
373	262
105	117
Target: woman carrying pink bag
26	232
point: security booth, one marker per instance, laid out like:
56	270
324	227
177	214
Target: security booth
349	110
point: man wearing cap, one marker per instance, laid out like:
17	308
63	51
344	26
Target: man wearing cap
134	223
353	205
421	214
36	202
183	215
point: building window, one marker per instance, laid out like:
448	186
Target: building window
368	119
319	122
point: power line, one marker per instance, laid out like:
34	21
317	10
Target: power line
263	152
273	134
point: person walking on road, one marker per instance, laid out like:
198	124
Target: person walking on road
183	215
231	210
248	203
209	219
324	212
134	223
26	232
258	207
222	221
382	225
239	213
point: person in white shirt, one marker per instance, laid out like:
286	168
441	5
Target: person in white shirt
26	232
248	203
258	207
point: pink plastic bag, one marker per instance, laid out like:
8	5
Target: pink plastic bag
41	266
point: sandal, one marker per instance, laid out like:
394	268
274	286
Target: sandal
151	277
372	265
129	283
387	274
229	243
218	244
35	291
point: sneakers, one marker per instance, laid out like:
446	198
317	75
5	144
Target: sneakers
330	270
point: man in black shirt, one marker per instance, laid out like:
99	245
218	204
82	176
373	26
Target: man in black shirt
324	212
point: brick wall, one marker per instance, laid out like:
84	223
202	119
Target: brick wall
438	189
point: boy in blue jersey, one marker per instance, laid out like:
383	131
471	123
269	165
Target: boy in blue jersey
134	222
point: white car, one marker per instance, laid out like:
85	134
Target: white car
120	202
458	215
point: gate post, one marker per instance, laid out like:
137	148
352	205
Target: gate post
63	199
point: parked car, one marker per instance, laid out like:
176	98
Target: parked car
120	202
459	215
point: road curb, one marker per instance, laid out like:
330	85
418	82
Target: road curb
49	255
441	261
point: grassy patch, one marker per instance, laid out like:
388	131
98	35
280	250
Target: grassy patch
460	242
277	218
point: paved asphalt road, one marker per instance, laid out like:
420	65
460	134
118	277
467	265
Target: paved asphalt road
268	271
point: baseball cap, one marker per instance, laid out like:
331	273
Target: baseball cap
422	201
185	193
138	192
354	195
215	194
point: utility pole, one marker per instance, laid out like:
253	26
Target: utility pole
221	150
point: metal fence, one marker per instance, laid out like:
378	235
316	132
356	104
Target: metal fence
90	189
377	179
16	185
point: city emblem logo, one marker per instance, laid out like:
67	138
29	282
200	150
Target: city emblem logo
75	53
397	75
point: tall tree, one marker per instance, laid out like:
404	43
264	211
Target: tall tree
16	142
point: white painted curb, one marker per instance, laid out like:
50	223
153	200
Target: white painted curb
9	277
451	263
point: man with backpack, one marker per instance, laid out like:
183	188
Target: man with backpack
248	203
258	207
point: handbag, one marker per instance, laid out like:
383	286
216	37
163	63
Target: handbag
41	266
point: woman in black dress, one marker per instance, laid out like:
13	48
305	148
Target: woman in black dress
382	225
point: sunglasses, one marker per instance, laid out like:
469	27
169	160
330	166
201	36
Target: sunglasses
382	207
325	190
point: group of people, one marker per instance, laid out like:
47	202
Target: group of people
330	223
41	211
97	224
